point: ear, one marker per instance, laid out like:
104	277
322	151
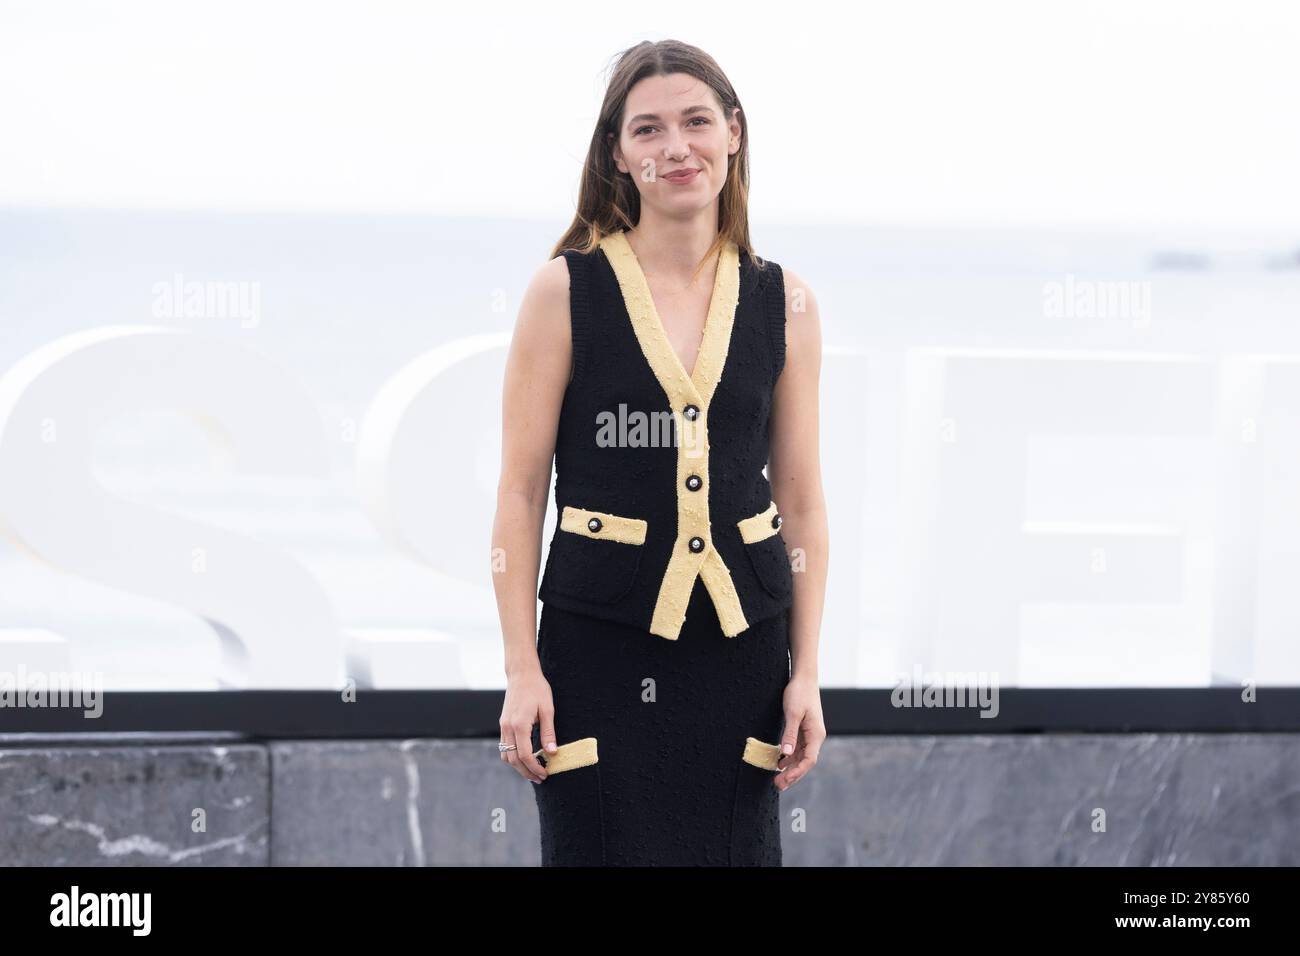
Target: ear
616	152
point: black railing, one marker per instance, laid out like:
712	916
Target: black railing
474	713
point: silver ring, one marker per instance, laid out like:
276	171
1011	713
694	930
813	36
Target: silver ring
502	748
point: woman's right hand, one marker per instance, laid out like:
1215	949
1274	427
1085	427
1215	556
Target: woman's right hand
528	699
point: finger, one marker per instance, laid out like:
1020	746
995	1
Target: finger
518	764
524	737
795	773
785	761
784	766
514	757
548	729
790	738
812	745
506	736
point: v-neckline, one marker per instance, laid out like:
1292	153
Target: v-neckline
718	319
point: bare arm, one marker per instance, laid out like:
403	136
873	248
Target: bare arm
795	470
537	373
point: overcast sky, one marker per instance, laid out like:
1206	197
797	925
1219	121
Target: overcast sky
1118	113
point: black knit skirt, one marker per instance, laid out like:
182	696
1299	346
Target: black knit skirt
672	741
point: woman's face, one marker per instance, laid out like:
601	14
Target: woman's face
674	125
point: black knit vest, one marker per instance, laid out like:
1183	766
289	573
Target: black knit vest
659	473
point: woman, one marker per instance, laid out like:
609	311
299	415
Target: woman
672	690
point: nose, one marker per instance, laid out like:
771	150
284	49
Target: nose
676	149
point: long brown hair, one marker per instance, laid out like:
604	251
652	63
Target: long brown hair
608	200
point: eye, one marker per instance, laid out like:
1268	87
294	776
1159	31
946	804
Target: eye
701	119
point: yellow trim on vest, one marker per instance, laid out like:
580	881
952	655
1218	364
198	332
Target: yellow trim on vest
612	527
684	389
760	754
570	756
757	527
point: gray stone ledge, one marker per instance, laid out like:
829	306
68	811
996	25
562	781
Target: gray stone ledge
1167	799
102	804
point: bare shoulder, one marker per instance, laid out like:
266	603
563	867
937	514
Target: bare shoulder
546	299
800	302
803	336
542	324
553	277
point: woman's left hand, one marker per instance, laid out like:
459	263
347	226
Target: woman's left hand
804	731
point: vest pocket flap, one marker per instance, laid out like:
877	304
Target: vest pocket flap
595	556
767	554
762	525
602	525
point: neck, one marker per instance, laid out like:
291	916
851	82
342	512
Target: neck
672	247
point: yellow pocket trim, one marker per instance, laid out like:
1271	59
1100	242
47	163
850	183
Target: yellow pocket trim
570	756
612	527
757	527
760	754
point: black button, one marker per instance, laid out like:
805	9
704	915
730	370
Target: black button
694	482
776	520
691	412
697	545
594	524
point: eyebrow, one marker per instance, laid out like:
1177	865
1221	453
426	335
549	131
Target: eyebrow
640	117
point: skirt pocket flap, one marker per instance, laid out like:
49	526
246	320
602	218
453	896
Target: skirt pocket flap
570	756
755	812
761	754
570	806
